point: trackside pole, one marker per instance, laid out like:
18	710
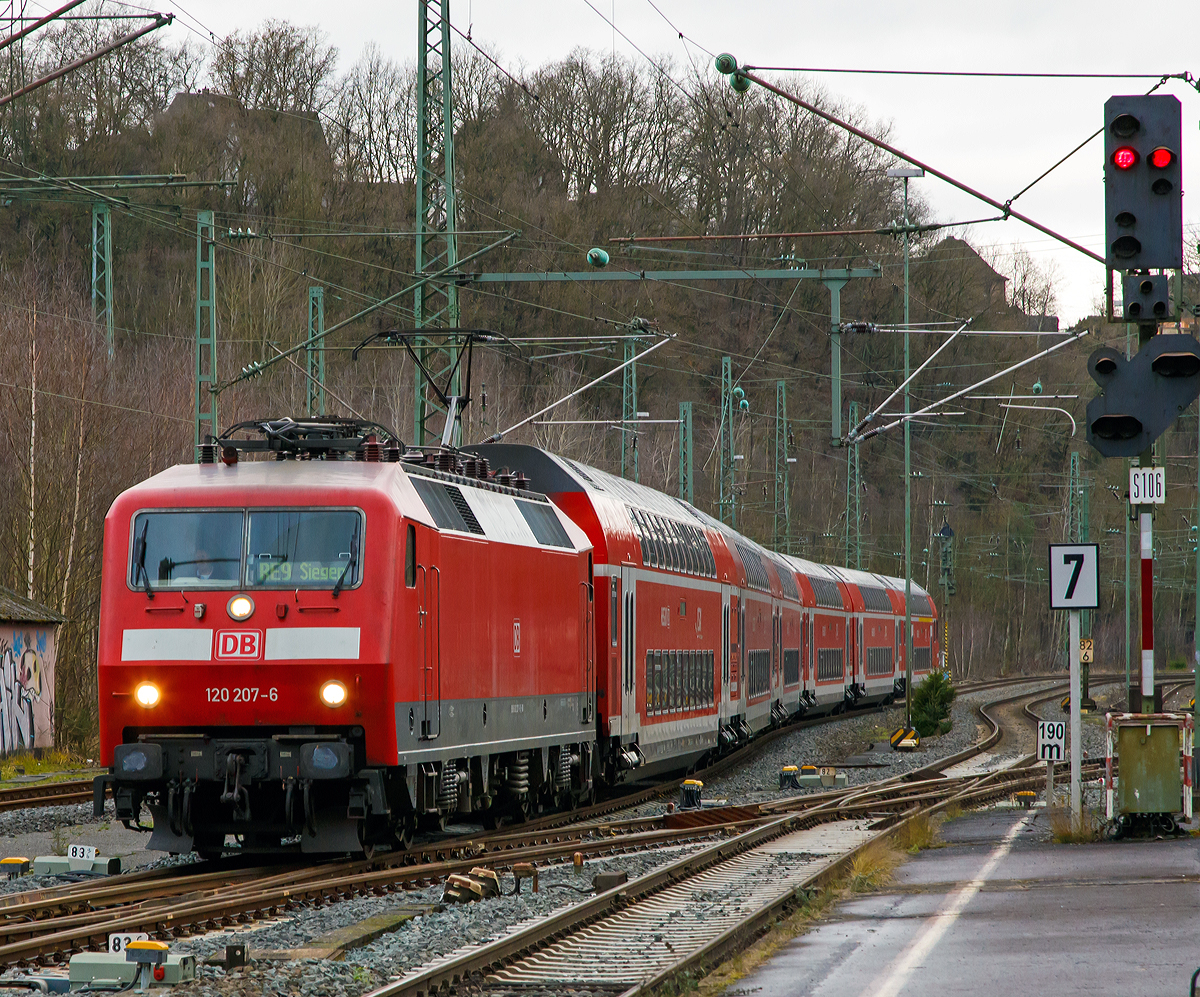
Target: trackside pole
1076	788
1145	521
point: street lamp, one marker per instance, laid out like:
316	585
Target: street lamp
907	173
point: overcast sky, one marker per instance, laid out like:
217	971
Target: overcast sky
995	135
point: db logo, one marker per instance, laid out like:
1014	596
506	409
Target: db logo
240	644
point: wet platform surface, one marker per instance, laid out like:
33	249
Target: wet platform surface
1001	909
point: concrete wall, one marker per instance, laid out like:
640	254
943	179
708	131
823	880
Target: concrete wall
26	686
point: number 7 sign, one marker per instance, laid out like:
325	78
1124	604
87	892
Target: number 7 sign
1074	576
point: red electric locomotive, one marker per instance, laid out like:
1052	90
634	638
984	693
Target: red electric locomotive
328	650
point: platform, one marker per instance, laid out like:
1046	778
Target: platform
1001	909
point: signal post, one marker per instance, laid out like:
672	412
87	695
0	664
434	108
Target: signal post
1141	397
1074	585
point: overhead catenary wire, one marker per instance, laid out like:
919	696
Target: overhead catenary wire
497	437
1185	76
908	380
979	384
931	170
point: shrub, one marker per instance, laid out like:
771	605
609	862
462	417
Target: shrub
931	703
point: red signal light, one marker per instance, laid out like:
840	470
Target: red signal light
1161	158
1125	158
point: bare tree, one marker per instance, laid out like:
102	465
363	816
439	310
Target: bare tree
281	66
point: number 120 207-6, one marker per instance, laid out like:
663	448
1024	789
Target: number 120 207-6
246	694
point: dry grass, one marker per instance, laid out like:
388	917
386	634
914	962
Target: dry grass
919	833
50	763
952	812
1064	831
872	867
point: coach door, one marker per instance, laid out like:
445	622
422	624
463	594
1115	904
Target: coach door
723	653
733	649
628	650
429	586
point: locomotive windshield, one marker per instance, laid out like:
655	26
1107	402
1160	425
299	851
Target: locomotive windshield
256	548
187	549
292	548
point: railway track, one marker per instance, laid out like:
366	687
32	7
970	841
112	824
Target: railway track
695	911
46	794
47	925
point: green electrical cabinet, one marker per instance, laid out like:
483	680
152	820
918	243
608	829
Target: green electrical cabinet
1151	780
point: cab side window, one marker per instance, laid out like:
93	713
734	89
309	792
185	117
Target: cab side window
410	557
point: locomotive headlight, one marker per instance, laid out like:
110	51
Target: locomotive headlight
333	693
147	694
240	607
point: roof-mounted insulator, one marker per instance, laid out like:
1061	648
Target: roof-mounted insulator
373	450
520	481
207	453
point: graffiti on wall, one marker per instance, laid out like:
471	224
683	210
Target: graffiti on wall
26	689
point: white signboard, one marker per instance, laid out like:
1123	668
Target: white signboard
1147	485
84	852
1074	576
119	939
1052	740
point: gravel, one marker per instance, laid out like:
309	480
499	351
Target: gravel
831	744
47	819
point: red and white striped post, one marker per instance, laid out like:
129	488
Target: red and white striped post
1145	521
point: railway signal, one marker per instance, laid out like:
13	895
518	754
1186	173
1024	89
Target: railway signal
1143	206
1141	397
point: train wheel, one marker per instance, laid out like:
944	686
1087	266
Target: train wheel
402	832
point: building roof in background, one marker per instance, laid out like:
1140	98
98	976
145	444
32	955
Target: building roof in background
17	609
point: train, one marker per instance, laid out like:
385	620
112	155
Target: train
316	640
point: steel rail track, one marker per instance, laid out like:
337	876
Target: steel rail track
46	794
580	946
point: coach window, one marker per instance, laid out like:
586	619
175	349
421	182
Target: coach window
410	557
658	681
614	610
650	690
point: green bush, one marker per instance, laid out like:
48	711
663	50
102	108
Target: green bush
931	705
